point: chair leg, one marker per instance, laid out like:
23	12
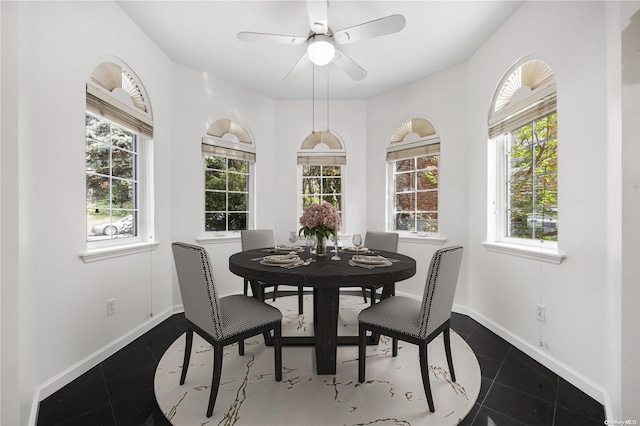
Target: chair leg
447	351
187	355
277	350
261	291
315	307
241	347
300	299
394	347
372	295
362	351
424	368
364	294
275	292
215	380
246	287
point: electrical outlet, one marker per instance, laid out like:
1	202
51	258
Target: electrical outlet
540	313
111	307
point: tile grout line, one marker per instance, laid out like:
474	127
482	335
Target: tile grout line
504	361
491	386
555	403
479	404
104	380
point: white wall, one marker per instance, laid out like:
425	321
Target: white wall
442	98
626	354
278	128
9	217
503	289
62	300
613	201
293	124
198	101
63	321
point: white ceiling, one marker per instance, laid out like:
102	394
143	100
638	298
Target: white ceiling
202	35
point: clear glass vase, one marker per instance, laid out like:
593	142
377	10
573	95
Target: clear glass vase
321	247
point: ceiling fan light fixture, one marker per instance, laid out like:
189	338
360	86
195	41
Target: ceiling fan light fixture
321	49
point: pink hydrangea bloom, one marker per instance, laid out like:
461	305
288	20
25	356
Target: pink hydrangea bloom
322	218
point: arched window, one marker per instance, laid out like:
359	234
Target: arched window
118	132
229	156
321	162
412	173
523	126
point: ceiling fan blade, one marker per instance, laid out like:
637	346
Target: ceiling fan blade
298	68
317	10
271	38
349	66
387	25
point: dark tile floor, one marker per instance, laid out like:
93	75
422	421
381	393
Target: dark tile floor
516	390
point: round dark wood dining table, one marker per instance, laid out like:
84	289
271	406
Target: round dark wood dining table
326	277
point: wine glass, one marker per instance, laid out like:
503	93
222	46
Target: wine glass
293	237
335	239
309	242
357	241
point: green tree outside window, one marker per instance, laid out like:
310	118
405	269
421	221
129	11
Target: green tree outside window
532	180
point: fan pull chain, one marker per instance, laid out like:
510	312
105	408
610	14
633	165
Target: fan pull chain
327	101
313	99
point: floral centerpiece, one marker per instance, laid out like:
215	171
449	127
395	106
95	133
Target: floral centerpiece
320	221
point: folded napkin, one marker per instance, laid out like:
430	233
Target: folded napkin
369	259
282	257
286	247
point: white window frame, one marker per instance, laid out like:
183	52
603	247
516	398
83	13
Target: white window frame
142	203
523	107
144	241
502	199
250	199
128	100
391	196
414	136
300	197
322	148
230	139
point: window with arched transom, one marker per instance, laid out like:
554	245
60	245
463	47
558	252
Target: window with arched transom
229	156
413	152
523	132
119	152
321	161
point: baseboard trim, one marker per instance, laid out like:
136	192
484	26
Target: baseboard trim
67	376
569	374
583	383
70	374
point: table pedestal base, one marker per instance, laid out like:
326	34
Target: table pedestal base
326	303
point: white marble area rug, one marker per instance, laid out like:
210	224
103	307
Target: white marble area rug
249	395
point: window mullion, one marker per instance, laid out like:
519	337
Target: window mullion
533	175
226	194
415	193
111	176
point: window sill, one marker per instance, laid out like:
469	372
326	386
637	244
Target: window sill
426	239
534	253
214	238
103	253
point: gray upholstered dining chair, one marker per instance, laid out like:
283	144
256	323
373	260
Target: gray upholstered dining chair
260	238
220	321
387	241
417	322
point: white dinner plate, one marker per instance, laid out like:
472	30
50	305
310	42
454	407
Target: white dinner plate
370	260
267	263
355	250
287	249
282	259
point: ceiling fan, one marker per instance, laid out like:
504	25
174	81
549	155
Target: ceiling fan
321	41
